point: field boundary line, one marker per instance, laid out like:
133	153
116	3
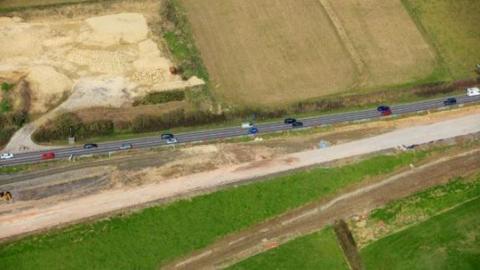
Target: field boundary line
342	33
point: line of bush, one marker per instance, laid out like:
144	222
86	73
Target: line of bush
59	129
161	97
9	123
69	124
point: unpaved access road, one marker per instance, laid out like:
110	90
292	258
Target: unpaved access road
75	210
315	216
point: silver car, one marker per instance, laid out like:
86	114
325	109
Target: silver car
171	141
126	146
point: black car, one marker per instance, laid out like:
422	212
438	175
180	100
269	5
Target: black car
289	120
167	136
297	124
90	146
450	101
383	108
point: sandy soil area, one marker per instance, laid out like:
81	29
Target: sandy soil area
107	59
39	218
103	61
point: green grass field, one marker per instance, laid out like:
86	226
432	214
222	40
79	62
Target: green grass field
316	251
321	251
447	241
453	29
151	237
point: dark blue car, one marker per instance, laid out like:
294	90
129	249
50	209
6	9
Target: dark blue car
450	101
253	130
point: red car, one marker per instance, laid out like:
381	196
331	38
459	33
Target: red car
48	155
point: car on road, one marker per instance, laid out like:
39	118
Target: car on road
289	121
167	136
473	91
126	146
253	130
48	155
450	101
90	146
6	156
297	124
171	140
384	110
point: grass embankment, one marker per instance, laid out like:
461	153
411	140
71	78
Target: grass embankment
447	241
451	26
316	251
154	236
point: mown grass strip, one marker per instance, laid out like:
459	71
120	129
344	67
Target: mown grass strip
316	251
181	43
154	236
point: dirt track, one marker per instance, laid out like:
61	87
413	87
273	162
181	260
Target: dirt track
315	216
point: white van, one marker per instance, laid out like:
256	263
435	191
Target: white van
247	125
474	91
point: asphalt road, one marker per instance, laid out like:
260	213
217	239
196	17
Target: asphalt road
147	142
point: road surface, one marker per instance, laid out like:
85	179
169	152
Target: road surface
147	142
40	217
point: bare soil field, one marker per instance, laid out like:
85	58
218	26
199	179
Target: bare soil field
85	55
272	52
102	60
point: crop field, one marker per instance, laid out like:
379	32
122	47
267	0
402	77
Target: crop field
452	27
447	241
29	3
316	251
276	52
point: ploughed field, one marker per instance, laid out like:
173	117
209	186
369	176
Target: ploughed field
276	52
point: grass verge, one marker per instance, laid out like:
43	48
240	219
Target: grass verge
154	236
316	251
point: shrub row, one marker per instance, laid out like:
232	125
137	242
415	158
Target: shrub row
69	124
61	127
161	97
9	123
